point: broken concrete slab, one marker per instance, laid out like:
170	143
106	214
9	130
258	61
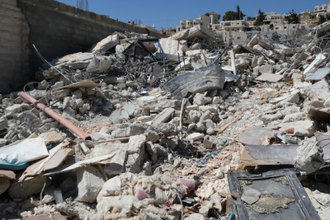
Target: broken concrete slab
304	128
319	74
99	64
257	136
164	116
309	157
319	90
90	182
269	77
136	150
106	44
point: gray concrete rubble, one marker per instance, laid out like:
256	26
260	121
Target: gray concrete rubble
166	120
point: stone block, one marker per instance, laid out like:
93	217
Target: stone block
299	128
136	150
90	183
200	99
164	116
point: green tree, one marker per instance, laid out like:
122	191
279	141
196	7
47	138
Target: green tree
250	18
239	13
292	18
229	16
209	13
260	18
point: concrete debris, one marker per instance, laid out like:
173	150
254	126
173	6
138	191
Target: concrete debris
141	127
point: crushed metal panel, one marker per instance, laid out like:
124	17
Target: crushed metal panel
323	141
281	196
318	74
267	155
269	77
201	80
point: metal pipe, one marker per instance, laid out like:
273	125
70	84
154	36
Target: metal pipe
74	129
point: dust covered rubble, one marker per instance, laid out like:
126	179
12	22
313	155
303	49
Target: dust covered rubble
169	157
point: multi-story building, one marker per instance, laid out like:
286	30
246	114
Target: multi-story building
273	18
236	25
203	20
322	9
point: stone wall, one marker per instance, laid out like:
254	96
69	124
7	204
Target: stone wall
56	29
14	47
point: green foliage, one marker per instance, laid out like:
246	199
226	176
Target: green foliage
232	15
239	13
250	18
229	16
292	18
260	18
209	13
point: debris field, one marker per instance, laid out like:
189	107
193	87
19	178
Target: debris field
182	127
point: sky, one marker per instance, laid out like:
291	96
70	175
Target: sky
168	13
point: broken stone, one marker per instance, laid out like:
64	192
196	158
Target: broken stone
164	116
90	182
153	136
195	136
300	116
319	90
200	99
127	130
105	44
304	128
309	157
99	64
135	149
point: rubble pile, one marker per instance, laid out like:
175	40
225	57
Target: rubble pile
147	128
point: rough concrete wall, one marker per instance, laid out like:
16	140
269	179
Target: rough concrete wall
58	29
14	50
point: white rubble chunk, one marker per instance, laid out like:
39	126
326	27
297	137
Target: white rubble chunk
90	183
99	64
136	151
309	157
164	116
16	108
300	116
195	136
319	90
105	44
299	128
200	99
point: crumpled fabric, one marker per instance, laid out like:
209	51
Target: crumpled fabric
129	193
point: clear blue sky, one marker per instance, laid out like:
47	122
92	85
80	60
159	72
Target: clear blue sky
168	13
